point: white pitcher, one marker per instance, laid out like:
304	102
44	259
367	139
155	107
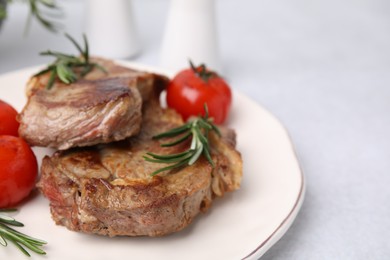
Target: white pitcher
190	33
110	26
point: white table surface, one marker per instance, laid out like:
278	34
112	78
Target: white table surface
323	68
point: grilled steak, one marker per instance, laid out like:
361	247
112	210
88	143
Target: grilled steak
101	108
107	189
143	81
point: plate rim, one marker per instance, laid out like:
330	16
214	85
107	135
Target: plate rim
289	219
286	223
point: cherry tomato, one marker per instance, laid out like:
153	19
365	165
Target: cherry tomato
191	88
18	170
8	123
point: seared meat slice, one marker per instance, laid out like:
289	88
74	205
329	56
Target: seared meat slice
81	114
100	108
143	81
107	189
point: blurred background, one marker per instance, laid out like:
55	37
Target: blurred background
322	67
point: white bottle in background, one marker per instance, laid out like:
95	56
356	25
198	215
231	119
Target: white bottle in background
110	26
190	33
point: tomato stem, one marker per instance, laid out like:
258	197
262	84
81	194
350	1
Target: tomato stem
202	72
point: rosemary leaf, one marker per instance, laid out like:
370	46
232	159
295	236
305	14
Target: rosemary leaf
8	210
173	132
168	156
24	251
69	68
44	11
86	48
48	3
198	131
167	161
174	166
65	74
52	78
20	240
76	44
10	221
206	153
216	129
201	137
193	141
99	67
2	241
196	155
177	141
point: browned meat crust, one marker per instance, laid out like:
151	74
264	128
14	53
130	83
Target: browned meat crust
143	81
100	108
107	189
81	114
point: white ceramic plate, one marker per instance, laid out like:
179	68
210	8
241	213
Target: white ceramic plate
242	225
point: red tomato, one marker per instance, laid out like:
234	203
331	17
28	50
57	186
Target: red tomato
8	123
191	88
18	170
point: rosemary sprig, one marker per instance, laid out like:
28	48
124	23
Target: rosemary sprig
44	11
20	240
69	68
3	10
198	130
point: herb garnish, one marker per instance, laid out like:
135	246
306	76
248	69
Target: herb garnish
198	129
19	239
69	68
43	11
